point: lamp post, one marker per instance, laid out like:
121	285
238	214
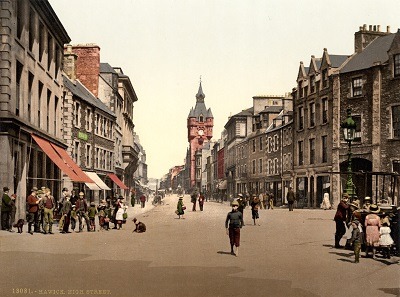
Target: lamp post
349	129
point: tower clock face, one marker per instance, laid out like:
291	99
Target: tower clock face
200	132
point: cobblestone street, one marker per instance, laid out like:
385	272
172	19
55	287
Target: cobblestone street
290	254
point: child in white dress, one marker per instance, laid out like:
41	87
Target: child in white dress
385	240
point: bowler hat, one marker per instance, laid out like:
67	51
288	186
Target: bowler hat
5	189
65	190
92	204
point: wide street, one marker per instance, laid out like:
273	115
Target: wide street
289	254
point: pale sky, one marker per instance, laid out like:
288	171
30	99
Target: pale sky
239	48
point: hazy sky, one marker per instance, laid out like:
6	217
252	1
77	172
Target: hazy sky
240	49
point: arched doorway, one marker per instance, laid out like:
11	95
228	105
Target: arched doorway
361	181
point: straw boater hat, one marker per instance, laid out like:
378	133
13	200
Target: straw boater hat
240	195
367	199
34	189
374	208
235	203
81	194
180	197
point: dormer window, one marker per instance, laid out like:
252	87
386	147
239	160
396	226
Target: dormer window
312	83
396	60
324	78
201	118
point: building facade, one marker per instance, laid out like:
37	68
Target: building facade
31	97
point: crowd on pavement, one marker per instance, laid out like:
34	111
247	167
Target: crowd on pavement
72	212
368	229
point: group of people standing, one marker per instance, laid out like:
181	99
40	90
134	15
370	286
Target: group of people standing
70	209
371	230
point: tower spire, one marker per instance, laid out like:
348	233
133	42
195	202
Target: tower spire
200	95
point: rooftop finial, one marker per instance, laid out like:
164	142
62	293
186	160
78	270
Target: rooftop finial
200	78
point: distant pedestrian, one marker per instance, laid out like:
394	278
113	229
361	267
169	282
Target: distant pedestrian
133	199
271	201
66	212
180	208
193	199
290	197
13	210
340	219
102	213
355	240
242	205
140	227
233	224
201	201
255	203
261	198
143	200
325	202
265	200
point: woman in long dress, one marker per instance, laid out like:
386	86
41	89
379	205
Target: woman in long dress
326	204
179	207
372	224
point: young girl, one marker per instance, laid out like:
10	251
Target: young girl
92	215
385	240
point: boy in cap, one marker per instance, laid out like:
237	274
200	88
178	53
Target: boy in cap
233	223
355	240
92	212
140	227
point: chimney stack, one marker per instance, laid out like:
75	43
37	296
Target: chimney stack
364	37
69	66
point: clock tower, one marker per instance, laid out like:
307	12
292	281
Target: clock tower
200	124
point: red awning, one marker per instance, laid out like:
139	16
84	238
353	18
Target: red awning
117	181
65	163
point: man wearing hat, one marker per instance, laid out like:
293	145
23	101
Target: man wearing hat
6	207
66	214
81	210
32	204
233	223
290	197
48	208
340	219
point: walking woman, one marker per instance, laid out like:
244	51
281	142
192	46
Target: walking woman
180	208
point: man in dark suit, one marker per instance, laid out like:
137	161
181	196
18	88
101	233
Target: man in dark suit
290	197
6	207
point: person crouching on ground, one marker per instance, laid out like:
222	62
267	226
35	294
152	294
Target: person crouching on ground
356	240
233	223
140	227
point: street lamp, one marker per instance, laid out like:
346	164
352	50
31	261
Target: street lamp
349	129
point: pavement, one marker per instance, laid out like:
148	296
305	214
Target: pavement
289	254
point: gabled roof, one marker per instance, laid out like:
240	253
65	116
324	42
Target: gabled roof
79	90
337	60
376	51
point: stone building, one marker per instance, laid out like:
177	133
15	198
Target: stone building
200	124
313	126
31	99
370	88
237	128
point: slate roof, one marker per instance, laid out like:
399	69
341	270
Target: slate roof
337	60
106	68
79	90
376	51
272	109
200	107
